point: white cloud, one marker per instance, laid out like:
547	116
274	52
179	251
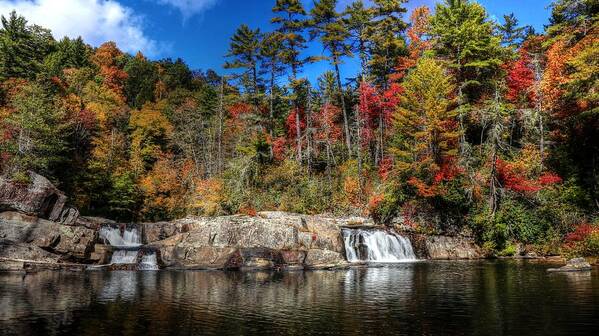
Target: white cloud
97	21
189	8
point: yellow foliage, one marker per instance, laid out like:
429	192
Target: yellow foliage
209	195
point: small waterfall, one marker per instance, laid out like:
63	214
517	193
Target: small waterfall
128	237
124	257
377	246
148	262
128	244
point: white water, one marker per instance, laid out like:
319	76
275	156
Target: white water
377	246
128	244
129	238
148	262
124	257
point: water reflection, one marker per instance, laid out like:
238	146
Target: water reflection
484	298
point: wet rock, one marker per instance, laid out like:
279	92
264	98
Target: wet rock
39	198
70	241
573	265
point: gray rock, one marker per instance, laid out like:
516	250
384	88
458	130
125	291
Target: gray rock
573	265
71	241
39	198
271	240
444	247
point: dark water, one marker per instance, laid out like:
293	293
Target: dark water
428	298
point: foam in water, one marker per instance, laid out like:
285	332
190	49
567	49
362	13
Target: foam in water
128	248
124	257
129	238
148	262
377	246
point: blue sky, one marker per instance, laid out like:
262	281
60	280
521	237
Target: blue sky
198	31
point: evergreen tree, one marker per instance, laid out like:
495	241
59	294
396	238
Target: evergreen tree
512	35
141	80
386	36
326	23
426	129
245	52
272	65
290	20
357	19
22	47
464	36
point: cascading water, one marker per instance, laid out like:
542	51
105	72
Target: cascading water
377	246
129	237
128	244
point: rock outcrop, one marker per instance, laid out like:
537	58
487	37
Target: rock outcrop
70	242
573	265
270	240
444	247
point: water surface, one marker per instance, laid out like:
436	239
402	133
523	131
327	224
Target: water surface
426	298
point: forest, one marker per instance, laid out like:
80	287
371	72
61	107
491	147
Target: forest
455	123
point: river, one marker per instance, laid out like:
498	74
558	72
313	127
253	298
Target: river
502	297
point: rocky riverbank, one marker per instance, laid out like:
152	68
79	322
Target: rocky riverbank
37	229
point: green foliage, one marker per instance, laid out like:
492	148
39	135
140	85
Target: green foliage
23	47
39	131
464	35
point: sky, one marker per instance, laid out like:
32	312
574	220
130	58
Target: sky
198	31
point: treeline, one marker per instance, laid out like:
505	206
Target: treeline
454	122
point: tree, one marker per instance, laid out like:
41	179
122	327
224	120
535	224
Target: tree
245	52
289	18
464	36
426	129
140	85
69	54
511	34
386	35
357	19
271	62
326	23
22	47
39	131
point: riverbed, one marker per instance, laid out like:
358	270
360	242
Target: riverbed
501	297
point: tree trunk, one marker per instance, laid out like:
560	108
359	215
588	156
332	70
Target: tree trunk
343	107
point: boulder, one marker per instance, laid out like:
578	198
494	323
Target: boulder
444	247
20	251
573	265
39	198
269	240
318	259
71	241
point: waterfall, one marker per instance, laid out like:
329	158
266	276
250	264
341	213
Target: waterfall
148	262
124	257
128	248
377	246
129	237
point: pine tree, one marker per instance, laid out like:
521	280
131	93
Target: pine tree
464	36
512	35
357	19
386	37
245	52
326	23
290	20
22	47
271	62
